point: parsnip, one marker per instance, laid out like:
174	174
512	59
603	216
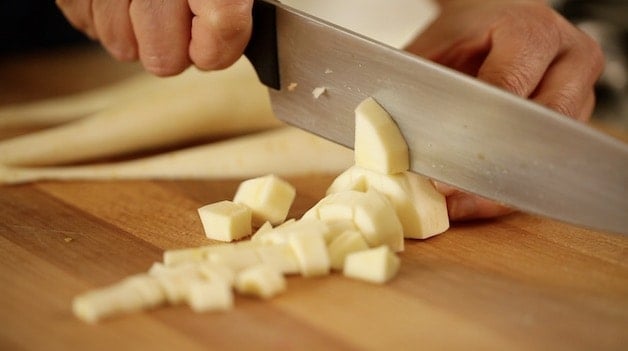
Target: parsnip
226	220
284	151
223	103
58	110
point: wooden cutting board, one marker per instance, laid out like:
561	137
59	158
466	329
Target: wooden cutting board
519	282
514	283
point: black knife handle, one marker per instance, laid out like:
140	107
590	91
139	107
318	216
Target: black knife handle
262	47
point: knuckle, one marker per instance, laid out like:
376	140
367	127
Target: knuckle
231	19
564	102
513	79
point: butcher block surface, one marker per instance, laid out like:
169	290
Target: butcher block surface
515	283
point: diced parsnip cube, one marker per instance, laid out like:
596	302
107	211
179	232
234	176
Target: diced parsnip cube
377	265
206	296
281	234
238	259
106	302
373	215
259	236
178	256
337	227
379	145
213	271
175	281
421	209
269	198
344	244
311	252
148	287
263	281
280	257
263	228
226	220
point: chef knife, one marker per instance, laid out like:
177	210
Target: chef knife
459	130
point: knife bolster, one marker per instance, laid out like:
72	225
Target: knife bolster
262	47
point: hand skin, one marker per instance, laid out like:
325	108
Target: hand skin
167	36
522	46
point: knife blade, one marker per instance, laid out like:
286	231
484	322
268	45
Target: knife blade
460	131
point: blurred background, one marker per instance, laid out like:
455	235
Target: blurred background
28	26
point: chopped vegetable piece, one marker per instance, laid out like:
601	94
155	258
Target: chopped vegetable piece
226	220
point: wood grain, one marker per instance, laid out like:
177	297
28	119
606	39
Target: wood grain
515	283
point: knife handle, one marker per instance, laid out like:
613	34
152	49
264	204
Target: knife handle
261	49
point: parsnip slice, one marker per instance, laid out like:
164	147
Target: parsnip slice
269	198
377	265
379	145
226	220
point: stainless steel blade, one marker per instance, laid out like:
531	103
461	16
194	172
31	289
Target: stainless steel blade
459	130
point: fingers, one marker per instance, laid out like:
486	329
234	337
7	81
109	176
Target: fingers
521	52
79	14
162	30
112	24
220	31
463	206
567	84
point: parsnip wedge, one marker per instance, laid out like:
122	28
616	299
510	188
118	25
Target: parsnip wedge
379	145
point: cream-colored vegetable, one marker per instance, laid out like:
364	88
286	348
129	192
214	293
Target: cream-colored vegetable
279	256
226	103
129	295
377	265
379	145
226	220
372	213
58	110
311	252
206	296
282	233
269	198
262	281
238	259
421	209
344	244
242	157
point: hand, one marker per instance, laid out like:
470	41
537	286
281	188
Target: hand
166	36
522	46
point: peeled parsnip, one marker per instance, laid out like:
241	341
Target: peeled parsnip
223	103
58	110
283	151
